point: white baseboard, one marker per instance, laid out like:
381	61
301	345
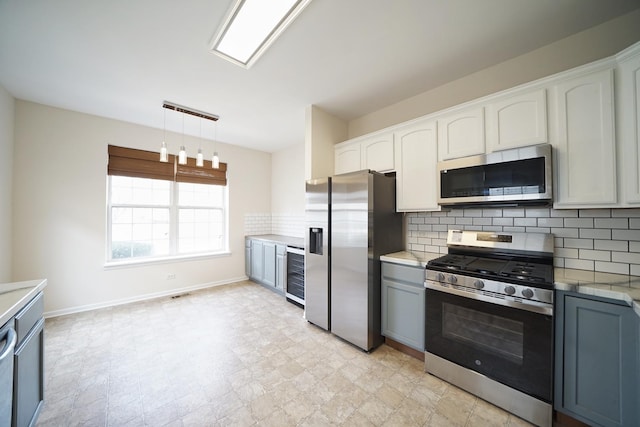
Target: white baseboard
113	303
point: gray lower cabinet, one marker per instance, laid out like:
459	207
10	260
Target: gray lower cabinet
257	260
403	304
597	360
28	364
247	257
265	262
281	253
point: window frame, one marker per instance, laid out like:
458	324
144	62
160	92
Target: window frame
174	208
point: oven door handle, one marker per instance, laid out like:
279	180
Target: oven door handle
542	308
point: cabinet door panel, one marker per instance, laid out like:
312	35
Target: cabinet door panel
517	121
257	260
377	153
584	142
628	96
28	387
461	134
347	158
417	157
600	362
403	313
269	277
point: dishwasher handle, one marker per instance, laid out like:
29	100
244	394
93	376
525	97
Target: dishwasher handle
10	338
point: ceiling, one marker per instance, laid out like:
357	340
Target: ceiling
121	59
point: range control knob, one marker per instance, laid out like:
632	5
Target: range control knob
478	284
509	290
440	277
453	279
527	293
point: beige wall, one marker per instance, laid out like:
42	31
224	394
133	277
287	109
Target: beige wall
323	131
59	215
287	180
7	109
598	42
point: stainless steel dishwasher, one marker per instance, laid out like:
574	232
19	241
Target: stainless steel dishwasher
8	340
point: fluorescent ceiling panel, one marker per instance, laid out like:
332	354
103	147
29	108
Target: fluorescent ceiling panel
251	26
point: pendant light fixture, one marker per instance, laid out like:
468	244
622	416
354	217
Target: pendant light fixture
200	156
164	155
215	160
182	154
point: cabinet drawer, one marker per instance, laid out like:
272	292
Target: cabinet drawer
29	316
410	275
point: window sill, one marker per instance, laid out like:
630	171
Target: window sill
110	265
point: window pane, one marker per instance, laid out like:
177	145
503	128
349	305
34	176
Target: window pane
139	191
200	195
200	230
139	232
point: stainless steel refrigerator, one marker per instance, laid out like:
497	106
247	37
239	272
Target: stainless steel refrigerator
351	221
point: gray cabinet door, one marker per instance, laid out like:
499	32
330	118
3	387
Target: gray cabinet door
257	260
269	277
403	304
597	361
281	251
247	257
28	386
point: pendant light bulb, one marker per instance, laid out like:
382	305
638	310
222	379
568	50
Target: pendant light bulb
182	155
200	158
164	156
215	162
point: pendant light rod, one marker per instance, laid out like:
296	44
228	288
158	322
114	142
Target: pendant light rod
191	111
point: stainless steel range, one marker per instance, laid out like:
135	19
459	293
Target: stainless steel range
489	319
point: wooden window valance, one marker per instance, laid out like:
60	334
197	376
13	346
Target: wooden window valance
147	164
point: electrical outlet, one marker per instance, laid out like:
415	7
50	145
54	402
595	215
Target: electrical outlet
171	276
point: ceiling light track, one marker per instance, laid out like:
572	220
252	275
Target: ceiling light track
191	111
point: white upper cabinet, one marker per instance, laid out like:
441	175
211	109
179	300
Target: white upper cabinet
371	152
584	141
517	121
461	134
416	159
628	97
377	153
347	158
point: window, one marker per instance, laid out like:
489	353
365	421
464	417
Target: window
154	214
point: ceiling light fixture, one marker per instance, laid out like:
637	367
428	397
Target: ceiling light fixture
164	155
182	155
251	26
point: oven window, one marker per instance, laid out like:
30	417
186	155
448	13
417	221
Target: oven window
494	334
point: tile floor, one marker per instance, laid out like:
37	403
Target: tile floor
235	355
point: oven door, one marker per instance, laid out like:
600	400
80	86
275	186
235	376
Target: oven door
509	345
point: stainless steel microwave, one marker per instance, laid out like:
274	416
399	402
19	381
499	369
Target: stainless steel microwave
520	176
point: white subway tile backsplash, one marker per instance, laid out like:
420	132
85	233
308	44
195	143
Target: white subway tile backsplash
550	222
611	223
564	213
595	213
628	257
538	212
595	233
611	245
605	240
578	243
626	235
513	212
594	255
578	222
566	232
626	213
612	267
525	222
580	264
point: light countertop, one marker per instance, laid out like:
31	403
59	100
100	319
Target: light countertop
410	258
15	295
607	285
297	242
